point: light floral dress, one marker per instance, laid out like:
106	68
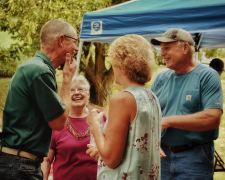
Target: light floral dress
141	158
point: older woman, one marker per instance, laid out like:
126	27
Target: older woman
68	146
130	148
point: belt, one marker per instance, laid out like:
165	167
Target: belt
21	153
176	149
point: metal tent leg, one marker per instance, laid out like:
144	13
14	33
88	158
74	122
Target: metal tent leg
219	164
79	57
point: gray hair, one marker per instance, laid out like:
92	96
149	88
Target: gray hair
52	29
82	79
192	48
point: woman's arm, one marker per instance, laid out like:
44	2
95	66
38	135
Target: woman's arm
122	111
46	164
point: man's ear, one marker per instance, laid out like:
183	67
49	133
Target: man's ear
61	41
186	48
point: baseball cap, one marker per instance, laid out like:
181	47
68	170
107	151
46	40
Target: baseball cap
217	64
172	35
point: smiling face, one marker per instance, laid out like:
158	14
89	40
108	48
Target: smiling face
172	54
79	94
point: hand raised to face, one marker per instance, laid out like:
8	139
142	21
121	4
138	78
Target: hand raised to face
69	67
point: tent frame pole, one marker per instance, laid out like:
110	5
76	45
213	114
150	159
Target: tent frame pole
197	46
79	57
196	56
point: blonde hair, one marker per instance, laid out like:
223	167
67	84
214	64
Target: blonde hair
134	55
82	79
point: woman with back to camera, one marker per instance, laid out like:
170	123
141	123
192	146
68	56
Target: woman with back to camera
130	146
68	147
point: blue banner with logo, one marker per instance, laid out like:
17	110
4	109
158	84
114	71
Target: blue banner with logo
151	18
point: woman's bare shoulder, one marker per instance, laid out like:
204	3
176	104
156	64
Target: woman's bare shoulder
123	97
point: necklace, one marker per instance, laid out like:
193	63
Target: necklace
74	133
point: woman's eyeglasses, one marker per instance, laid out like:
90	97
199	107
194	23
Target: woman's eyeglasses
78	90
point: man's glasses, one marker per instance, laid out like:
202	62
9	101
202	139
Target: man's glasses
72	38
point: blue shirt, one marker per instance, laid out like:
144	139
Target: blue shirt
185	94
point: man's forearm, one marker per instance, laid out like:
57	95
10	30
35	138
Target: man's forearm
65	94
59	123
202	121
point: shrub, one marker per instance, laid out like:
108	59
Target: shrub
9	60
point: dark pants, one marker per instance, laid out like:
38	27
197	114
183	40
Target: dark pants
19	168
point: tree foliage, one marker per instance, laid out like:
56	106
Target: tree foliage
158	58
211	53
23	19
8	61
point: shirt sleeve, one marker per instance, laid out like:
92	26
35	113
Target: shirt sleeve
53	144
44	94
212	93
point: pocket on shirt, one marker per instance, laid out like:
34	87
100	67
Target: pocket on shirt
6	171
189	101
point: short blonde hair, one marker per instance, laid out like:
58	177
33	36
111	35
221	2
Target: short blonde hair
82	79
134	55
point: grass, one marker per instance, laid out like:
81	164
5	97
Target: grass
219	143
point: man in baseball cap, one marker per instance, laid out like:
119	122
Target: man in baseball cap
173	35
218	65
191	100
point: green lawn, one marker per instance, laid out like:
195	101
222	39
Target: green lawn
219	143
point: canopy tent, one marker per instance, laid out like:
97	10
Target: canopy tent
204	19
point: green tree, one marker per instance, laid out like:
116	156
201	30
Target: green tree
211	53
8	61
158	58
200	54
23	19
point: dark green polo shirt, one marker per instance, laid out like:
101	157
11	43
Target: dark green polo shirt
32	102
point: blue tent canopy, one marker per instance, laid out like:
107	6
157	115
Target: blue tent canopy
204	19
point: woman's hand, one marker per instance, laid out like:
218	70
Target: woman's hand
45	167
95	117
162	154
92	152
